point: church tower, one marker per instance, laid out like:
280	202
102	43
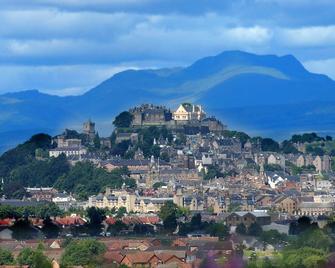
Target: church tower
89	129
153	173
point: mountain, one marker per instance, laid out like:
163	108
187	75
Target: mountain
263	94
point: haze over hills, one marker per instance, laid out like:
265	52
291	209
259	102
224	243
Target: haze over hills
262	95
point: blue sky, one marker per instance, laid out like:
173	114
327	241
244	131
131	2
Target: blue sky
68	46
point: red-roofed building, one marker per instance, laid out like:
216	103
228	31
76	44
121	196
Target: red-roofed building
7	222
70	221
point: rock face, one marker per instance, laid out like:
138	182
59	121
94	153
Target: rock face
266	95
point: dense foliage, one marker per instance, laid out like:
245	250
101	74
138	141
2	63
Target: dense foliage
33	258
122	120
86	252
6	257
40	211
84	179
20	168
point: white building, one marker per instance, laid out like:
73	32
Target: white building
68	151
64	201
188	111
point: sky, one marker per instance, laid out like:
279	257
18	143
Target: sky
66	47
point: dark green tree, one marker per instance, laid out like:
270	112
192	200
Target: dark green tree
241	229
123	120
168	213
96	141
270	145
196	221
218	229
33	258
6	257
96	215
87	252
255	229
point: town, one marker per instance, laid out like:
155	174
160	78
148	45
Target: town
168	188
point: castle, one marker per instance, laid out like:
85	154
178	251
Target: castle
187	116
148	114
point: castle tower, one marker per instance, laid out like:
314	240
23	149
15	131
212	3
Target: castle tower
89	128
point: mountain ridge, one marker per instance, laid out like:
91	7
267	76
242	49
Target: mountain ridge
230	80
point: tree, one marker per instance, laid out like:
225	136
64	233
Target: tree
86	252
272	167
165	157
33	258
241	229
85	179
117	227
212	172
273	237
6	257
124	119
96	215
270	145
121	148
218	229
158	185
96	141
306	137
288	148
168	213
255	229
304	257
302	225
314	239
121	212
49	229
196	221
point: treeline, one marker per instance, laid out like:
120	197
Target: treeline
42	211
19	169
316	145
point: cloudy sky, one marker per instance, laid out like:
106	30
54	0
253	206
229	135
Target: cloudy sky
67	46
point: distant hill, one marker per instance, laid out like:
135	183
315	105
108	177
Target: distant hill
266	95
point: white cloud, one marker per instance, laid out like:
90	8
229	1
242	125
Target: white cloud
81	34
309	36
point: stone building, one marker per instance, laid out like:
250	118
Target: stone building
148	114
89	128
286	204
247	218
130	201
213	124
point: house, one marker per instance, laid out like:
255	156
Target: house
315	209
41	193
67	221
247	218
141	259
64	201
264	201
286	204
189	112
